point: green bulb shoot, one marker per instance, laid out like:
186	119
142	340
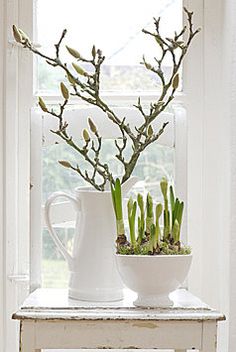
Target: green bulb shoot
117	205
149	214
132	207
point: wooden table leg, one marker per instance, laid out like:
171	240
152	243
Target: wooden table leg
27	337
209	341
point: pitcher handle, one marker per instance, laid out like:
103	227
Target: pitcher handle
52	232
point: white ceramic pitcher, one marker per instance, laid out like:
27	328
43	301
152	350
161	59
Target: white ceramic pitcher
93	272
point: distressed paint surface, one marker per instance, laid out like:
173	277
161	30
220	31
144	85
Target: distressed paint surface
113	334
147	325
58	298
46	304
118	315
50	320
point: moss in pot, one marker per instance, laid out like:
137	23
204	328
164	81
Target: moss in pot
154	262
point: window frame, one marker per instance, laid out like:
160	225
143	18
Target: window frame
185	98
18	68
113	99
204	55
15	165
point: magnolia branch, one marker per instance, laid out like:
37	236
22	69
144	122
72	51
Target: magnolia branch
86	86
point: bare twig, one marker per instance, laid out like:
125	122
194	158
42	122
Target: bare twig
86	86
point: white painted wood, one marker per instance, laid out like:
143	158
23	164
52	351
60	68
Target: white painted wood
193	83
209	341
2	286
180	145
64	323
122	314
117	99
52	303
77	120
208	163
58	299
214	173
36	134
213	270
11	175
25	102
228	286
27	338
14	220
116	334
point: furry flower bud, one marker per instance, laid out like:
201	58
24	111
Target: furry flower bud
175	82
79	69
150	131
42	105
16	34
65	163
64	91
73	52
93	51
92	126
86	135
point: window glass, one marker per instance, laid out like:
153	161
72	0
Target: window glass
113	26
116	28
154	163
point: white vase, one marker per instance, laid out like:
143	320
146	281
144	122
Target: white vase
153	277
93	271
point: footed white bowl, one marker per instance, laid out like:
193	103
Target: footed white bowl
153	277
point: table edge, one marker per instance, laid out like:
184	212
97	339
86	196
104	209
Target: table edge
216	316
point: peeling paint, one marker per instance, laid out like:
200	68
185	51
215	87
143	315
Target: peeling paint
105	347
20	338
63	316
110	347
144	324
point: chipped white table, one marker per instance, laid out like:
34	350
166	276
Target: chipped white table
49	320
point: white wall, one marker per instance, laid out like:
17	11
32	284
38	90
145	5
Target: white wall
193	80
229	64
212	170
1	177
216	166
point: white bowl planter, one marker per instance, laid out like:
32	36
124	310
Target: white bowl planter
153	277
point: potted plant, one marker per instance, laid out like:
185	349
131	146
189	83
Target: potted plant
153	262
94	226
